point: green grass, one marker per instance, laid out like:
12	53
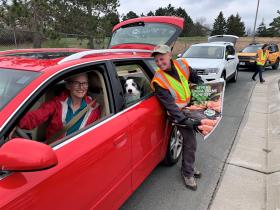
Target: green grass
60	43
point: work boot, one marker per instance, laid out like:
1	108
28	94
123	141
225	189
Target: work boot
190	182
197	173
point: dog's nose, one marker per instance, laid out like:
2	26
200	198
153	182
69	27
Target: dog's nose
129	90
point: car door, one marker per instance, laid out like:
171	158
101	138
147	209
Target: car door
272	54
94	165
147	118
230	63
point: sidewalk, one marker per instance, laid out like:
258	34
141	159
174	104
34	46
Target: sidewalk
251	178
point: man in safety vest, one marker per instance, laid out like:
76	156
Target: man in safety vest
262	55
171	86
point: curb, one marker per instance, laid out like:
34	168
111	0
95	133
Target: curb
251	179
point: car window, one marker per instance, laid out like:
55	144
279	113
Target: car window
134	81
153	64
230	50
54	108
251	49
12	82
209	52
145	33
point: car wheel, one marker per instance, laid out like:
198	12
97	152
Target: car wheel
276	65
234	78
175	147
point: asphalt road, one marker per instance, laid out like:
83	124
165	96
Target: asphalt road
164	188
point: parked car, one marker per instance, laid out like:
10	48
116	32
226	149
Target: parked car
215	59
247	56
101	165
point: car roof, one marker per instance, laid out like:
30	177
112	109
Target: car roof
41	59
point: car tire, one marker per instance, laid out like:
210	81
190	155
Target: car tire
234	78
276	65
224	76
175	147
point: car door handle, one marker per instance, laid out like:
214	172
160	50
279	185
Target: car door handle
120	140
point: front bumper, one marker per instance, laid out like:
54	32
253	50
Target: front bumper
247	63
210	77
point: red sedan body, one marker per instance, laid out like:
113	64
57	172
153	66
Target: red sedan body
97	167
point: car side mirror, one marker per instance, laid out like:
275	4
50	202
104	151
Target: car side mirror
26	155
230	57
179	55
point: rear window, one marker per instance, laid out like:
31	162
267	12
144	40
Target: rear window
12	82
145	33
208	52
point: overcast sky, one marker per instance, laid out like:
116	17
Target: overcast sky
209	9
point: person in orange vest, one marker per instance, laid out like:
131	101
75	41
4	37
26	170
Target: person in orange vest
262	55
171	86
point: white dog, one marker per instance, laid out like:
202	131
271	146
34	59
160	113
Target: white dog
132	90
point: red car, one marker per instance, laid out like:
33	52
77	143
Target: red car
99	166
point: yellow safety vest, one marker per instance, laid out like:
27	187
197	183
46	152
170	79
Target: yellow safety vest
179	89
261	57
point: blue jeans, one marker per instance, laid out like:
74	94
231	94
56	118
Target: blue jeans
259	70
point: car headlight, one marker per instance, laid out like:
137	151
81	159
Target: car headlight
212	70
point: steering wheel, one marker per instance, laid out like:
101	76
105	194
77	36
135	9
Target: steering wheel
19	132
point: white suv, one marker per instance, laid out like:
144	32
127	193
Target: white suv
215	59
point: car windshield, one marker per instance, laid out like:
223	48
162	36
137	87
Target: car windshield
251	49
12	82
149	33
209	52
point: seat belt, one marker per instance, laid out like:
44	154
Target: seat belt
72	122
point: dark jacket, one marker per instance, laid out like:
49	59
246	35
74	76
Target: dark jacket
166	98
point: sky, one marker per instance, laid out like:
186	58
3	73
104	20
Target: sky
208	10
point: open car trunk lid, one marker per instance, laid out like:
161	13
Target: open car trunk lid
223	38
146	32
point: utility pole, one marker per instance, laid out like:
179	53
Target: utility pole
254	33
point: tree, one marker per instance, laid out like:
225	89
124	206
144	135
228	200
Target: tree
274	29
235	26
130	15
261	30
166	11
86	17
33	15
150	13
219	26
179	12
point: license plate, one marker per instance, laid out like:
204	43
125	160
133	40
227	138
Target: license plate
242	63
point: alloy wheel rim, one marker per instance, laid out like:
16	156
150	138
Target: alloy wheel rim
176	143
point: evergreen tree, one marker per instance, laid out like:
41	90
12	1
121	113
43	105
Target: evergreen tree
179	12
261	30
219	26
130	15
235	26
274	29
150	13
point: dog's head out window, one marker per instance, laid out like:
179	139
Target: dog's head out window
134	81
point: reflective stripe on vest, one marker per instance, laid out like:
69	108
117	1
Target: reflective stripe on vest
262	56
179	89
